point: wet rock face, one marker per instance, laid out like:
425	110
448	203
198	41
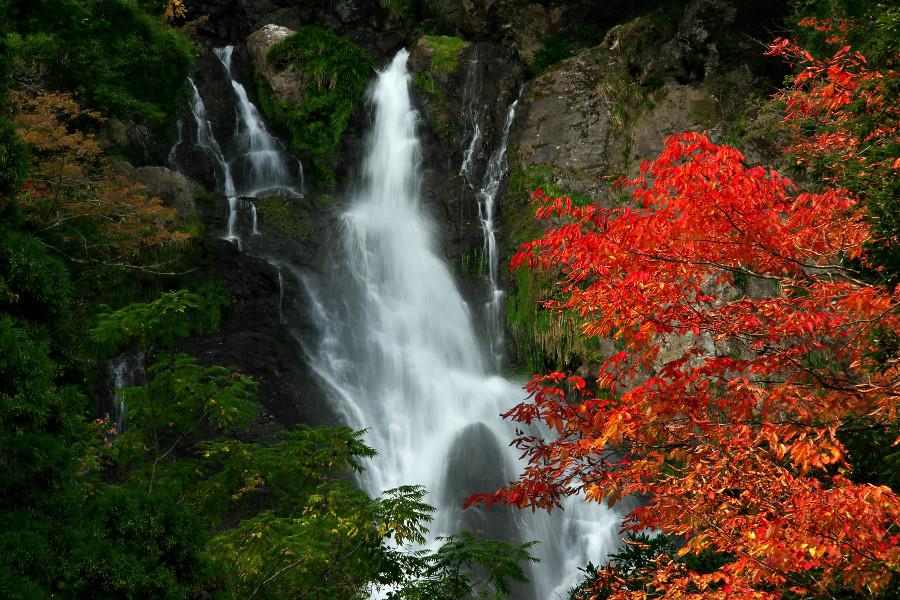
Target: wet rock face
254	339
483	81
566	124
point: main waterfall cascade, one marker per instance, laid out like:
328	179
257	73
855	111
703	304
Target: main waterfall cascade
401	357
396	349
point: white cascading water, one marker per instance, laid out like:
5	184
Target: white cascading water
206	141
401	358
487	196
260	160
125	371
258	164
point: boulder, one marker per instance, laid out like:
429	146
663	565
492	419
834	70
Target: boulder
286	84
175	189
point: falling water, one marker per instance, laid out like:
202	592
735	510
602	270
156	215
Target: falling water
471	117
281	318
256	165
254	216
125	371
400	355
259	159
487	195
206	141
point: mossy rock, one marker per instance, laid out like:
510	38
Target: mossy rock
333	73
435	60
541	338
446	51
285	215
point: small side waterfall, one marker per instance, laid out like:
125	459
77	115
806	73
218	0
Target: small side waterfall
485	191
125	371
487	196
206	141
400	355
259	159
254	165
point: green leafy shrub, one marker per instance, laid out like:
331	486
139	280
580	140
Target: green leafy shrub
33	284
116	58
13	158
172	316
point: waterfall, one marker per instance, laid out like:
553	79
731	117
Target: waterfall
206	141
471	117
125	371
401	358
486	191
255	165
259	158
254	219
487	195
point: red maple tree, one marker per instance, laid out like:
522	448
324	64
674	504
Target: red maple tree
748	341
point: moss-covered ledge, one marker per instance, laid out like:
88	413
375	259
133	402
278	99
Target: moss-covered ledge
434	62
331	74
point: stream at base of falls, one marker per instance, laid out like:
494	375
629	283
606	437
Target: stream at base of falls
396	350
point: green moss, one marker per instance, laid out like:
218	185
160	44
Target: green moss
334	73
473	263
542	339
283	214
446	52
425	82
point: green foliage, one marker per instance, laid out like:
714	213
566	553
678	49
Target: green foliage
172	316
38	422
634	563
396	7
334	73
183	396
113	55
33	284
551	51
132	545
13	158
337	530
468	567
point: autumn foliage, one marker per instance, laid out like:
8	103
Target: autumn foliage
74	191
749	341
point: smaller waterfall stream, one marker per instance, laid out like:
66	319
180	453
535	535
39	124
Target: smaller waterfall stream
255	165
125	371
487	195
259	159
